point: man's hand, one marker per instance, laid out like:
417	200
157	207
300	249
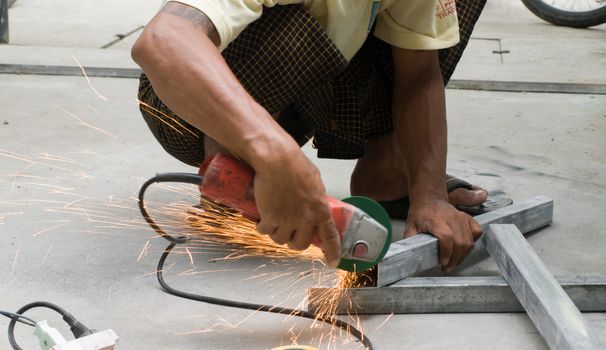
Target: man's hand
290	197
455	230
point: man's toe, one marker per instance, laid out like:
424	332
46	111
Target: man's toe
468	198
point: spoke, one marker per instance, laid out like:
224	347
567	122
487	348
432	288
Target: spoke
576	5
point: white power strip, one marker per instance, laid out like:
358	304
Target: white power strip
105	340
51	339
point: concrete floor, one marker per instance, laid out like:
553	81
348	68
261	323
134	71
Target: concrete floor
73	155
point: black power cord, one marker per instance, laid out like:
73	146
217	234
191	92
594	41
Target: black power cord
19	318
197	180
78	328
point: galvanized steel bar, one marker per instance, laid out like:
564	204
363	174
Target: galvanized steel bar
553	313
528	86
420	253
422	295
575	88
103	72
3	21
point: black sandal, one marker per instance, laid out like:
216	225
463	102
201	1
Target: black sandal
398	209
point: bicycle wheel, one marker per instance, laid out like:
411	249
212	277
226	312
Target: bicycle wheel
571	13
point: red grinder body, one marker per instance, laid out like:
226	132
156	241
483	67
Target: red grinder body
230	182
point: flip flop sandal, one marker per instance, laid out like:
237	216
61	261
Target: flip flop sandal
398	209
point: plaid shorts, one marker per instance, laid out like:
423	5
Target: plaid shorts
287	62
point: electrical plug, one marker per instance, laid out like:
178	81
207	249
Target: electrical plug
105	340
48	336
78	328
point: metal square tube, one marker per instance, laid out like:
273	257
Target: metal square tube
473	294
550	309
419	253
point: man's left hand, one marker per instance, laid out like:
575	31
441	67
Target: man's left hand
455	230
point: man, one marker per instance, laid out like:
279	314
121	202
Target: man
258	77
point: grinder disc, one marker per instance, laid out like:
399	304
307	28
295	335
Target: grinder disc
375	211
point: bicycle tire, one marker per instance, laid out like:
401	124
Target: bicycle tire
559	17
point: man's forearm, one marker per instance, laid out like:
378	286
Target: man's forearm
420	122
188	73
192	79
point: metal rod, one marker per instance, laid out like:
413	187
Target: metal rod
420	295
553	313
103	72
3	21
527	86
485	85
419	253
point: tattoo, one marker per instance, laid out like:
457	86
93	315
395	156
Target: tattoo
195	16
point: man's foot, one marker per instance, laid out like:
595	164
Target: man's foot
461	193
380	175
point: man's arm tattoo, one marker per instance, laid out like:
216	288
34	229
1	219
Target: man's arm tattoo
195	16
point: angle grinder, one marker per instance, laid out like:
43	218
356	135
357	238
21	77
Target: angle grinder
364	226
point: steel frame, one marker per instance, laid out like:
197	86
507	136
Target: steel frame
419	253
553	313
526	284
490	294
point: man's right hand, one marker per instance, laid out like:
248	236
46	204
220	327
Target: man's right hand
292	203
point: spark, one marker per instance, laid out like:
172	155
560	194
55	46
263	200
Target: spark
109	295
211	226
198	331
90	85
143	251
223	234
82	122
18	174
168	319
384	322
190	272
112	158
153	110
11	204
46	156
49	229
12	155
50	221
46	255
13	213
81	68
215	224
191	258
163	270
293	336
14	264
92	109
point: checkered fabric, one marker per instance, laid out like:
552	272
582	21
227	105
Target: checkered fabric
288	64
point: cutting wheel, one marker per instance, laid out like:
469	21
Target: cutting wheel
376	211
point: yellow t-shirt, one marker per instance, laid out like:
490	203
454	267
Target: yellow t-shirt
408	24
